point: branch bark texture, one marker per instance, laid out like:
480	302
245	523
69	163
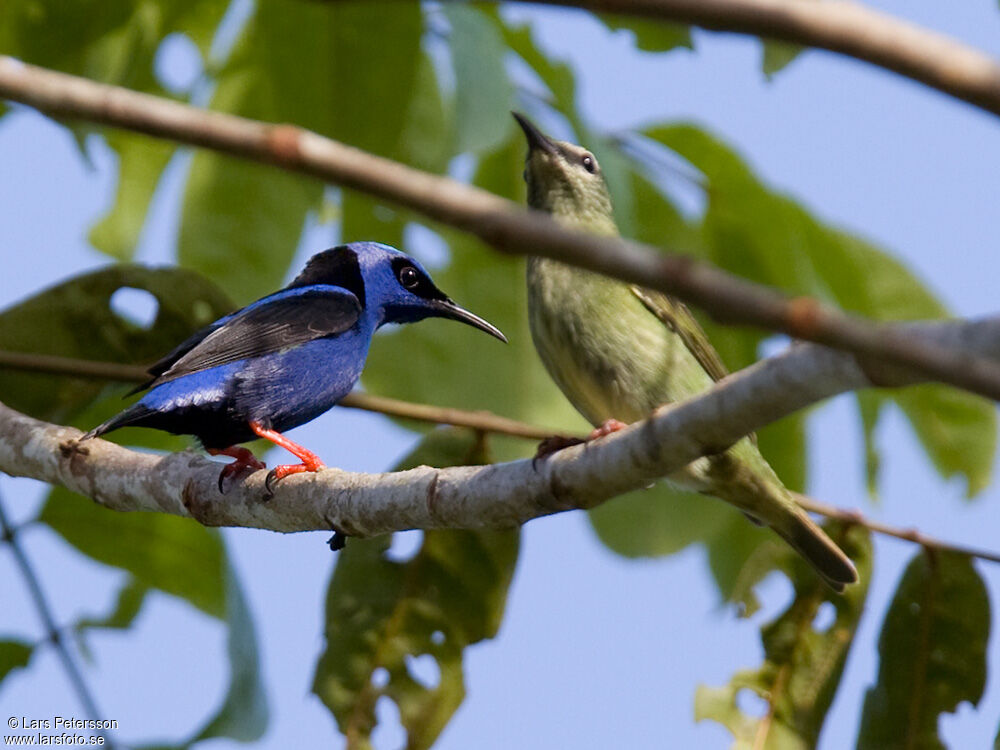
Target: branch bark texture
499	222
499	495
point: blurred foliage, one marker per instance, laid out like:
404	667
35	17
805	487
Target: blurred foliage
932	652
434	92
384	615
13	655
804	656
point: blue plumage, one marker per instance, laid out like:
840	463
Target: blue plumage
287	358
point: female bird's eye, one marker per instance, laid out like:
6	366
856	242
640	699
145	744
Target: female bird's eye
408	277
588	163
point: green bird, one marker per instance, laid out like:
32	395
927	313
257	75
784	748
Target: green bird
618	351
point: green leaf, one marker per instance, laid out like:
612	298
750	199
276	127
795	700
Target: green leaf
649	35
803	663
141	161
180	557
75	319
777	56
241	222
484	95
932	653
956	428
243	715
381	614
121	616
14	655
176	555
767	237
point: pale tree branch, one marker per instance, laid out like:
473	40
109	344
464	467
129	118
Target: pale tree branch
847	28
499	222
498	495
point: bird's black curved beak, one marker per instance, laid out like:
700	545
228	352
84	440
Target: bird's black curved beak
447	309
536	138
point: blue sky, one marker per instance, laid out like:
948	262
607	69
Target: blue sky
595	651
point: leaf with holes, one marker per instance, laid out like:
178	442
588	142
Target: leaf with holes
932	653
75	319
382	614
804	657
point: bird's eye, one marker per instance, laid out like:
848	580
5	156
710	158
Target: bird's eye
588	163
408	277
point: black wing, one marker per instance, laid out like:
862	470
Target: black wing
286	320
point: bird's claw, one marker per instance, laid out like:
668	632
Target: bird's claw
280	472
552	445
269	481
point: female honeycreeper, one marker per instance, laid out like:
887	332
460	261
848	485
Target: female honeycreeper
287	358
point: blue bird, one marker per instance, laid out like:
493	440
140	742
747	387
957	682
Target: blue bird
287	358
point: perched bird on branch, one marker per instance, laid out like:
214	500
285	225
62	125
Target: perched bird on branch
287	358
618	351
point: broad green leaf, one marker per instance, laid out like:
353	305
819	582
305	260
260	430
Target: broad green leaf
241	222
75	319
382	614
767	237
13	655
141	161
803	663
484	95
173	554
932	653
650	36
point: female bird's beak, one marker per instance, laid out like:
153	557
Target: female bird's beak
447	309
536	138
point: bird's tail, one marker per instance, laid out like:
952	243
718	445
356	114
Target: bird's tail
132	415
819	550
761	496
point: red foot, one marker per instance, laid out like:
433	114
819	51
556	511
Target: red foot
310	461
244	460
608	427
557	442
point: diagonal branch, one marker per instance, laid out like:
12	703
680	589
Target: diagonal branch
498	495
839	26
499	222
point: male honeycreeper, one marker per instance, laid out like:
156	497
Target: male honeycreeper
287	358
618	351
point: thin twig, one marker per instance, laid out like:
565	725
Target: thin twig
477	420
909	535
840	26
499	222
53	634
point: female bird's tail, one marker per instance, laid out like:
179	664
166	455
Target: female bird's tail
810	541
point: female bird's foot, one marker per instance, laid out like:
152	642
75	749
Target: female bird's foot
557	442
608	427
244	460
310	461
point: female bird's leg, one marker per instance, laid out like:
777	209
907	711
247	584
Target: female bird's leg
244	459
557	442
310	461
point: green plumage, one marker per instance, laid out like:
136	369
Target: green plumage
618	351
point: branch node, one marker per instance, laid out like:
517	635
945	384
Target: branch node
284	144
803	316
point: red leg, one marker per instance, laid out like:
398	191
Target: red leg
244	460
310	461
